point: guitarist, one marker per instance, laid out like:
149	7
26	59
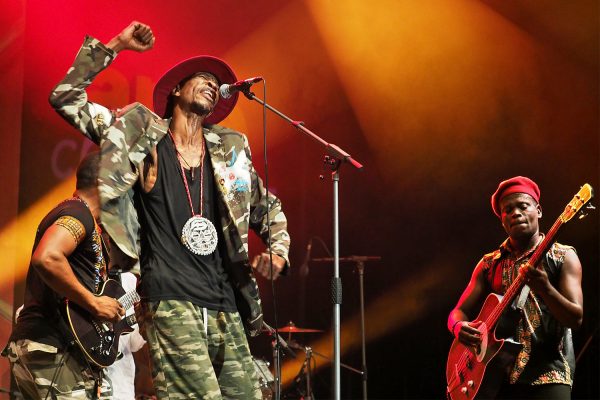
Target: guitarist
68	261
545	365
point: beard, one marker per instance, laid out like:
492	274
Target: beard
202	109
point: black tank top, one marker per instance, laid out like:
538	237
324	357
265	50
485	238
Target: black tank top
169	270
40	319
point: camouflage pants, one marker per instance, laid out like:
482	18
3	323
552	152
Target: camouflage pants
191	360
34	366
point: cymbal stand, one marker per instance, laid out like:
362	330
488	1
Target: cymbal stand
308	372
276	368
349	368
277	343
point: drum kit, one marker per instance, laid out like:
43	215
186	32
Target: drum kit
303	389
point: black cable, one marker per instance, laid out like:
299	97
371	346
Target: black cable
273	291
318	238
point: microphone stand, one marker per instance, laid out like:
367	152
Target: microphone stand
333	160
360	266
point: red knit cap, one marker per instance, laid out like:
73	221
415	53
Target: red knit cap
518	184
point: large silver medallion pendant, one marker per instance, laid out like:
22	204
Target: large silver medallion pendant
199	235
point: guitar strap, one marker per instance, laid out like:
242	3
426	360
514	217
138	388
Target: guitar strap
105	250
519	304
520	301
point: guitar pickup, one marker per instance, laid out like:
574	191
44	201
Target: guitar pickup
130	319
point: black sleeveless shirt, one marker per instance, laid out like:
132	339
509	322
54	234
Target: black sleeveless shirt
169	270
547	355
40	320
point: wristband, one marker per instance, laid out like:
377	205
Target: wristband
454	326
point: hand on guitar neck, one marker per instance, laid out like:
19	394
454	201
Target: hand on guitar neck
535	278
97	338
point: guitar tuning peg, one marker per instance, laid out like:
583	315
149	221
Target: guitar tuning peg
588	207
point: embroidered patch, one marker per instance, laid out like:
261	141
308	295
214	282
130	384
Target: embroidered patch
100	120
235	176
240	186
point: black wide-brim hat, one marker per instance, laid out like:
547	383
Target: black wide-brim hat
213	65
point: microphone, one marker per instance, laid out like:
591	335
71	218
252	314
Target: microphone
227	90
304	266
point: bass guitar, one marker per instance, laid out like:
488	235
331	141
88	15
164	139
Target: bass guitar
478	373
99	340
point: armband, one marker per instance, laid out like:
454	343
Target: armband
74	226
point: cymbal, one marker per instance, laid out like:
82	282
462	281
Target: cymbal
291	328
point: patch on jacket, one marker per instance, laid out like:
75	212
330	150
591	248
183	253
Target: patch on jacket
235	176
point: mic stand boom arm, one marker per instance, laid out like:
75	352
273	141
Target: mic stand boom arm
334	159
333	150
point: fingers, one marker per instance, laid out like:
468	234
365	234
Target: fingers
136	36
110	309
470	339
530	273
468	334
143	34
262	264
525	270
473	335
118	313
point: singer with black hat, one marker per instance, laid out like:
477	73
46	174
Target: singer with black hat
180	193
548	307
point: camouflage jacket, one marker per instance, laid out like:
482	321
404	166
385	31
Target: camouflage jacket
128	135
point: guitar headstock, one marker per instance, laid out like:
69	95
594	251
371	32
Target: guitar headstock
581	198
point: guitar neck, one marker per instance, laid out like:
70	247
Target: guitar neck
516	286
129	299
